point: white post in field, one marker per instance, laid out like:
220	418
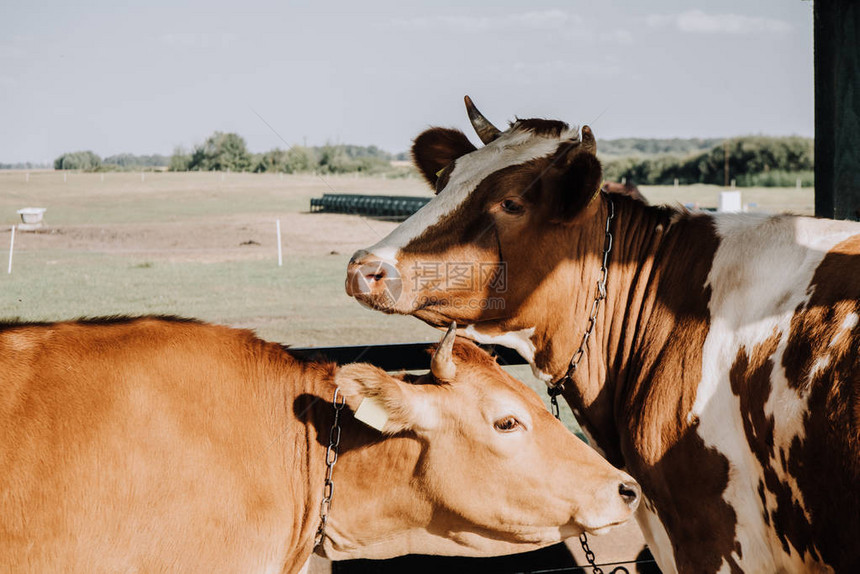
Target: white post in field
11	249
623	181
142	176
733	183
798	183
27	177
280	250
103	178
676	183
64	177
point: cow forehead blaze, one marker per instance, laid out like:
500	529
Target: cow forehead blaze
525	141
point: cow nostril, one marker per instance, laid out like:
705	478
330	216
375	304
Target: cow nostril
629	492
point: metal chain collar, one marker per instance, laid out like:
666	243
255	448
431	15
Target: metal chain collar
589	555
330	461
556	388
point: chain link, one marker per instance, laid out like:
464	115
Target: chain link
553	401
589	555
338	402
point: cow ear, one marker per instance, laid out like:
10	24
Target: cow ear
385	402
576	180
434	149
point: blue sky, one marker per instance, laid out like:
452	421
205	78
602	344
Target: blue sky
148	76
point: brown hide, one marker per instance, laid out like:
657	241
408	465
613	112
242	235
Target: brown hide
159	444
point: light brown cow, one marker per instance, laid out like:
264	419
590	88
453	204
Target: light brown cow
165	445
722	367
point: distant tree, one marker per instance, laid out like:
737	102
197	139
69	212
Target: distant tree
180	160
198	160
299	159
358	151
83	160
335	159
221	152
128	160
272	161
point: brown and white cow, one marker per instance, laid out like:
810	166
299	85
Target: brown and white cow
164	445
723	369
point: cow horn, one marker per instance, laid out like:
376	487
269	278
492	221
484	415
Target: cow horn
442	364
486	131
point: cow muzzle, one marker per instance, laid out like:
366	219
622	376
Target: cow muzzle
373	282
616	505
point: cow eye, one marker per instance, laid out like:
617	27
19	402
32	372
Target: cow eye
512	206
507	424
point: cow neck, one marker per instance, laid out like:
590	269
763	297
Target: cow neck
307	391
556	387
329	427
361	488
338	402
598	383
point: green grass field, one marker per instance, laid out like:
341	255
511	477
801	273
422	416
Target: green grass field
203	245
302	302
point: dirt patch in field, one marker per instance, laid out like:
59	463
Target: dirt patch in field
234	238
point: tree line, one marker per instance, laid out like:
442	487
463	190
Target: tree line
227	151
644	147
90	161
24	165
752	161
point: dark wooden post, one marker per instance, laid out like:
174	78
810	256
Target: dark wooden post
837	108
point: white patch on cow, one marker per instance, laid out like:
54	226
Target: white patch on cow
657	537
513	147
760	275
787	408
820	364
520	341
848	324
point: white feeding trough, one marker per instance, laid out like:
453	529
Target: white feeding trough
730	202
31	218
